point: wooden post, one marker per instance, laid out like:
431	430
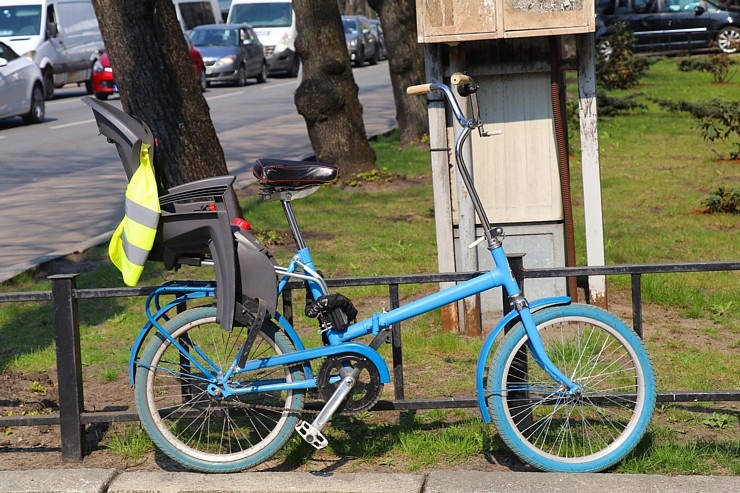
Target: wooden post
441	180
466	218
590	165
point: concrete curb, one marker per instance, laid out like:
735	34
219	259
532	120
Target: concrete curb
267	482
110	481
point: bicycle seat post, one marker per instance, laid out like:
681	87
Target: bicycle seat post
293	224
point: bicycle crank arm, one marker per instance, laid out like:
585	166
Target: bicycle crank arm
312	432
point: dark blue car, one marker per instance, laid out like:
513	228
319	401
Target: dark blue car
671	26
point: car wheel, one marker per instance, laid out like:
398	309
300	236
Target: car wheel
202	82
89	86
295	66
38	109
48	83
262	77
101	95
360	60
604	49
728	39
374	59
241	76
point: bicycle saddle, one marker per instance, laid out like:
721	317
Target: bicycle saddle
277	175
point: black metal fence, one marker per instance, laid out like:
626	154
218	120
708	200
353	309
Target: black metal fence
64	295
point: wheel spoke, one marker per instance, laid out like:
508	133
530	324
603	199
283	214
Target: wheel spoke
199	427
555	429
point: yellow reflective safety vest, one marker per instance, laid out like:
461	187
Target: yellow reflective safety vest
134	237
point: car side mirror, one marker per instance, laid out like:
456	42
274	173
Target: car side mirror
52	30
3	62
699	10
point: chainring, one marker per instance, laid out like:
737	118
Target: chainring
366	390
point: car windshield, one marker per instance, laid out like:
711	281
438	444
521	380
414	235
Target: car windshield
21	20
268	14
211	37
350	26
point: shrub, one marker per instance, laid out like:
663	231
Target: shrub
617	68
724	200
719	122
718	65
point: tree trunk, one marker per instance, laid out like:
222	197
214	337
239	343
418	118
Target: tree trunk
406	66
158	85
327	96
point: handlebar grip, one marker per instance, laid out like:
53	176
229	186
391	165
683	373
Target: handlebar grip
419	89
459	78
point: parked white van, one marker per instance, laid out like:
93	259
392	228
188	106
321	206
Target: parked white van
192	13
61	36
274	23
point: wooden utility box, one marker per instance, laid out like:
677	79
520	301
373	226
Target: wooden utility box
468	20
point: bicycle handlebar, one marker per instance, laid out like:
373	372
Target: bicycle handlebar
419	90
467	89
460	78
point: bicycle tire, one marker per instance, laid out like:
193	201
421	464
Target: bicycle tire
559	433
199	431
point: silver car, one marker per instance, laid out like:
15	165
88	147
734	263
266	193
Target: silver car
21	87
231	52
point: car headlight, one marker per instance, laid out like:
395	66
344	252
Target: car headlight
30	55
285	43
99	67
225	62
352	43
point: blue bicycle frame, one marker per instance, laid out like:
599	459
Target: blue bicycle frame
339	340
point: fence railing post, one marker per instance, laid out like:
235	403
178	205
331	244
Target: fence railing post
69	366
637	304
397	348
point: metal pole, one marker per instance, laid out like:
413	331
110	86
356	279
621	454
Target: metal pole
397	350
637	304
69	366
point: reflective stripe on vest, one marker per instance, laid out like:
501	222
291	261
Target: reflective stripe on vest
134	237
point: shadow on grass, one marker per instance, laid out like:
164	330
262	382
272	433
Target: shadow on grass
365	440
30	326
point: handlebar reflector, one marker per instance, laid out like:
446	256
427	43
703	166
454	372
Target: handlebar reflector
418	90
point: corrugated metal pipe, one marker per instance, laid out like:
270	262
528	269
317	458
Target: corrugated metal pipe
557	98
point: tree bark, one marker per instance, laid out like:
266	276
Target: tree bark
327	96
406	66
157	84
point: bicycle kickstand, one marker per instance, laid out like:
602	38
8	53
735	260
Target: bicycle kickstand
311	432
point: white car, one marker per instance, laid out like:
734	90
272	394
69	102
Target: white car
21	87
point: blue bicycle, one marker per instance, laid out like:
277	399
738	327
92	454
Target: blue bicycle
569	387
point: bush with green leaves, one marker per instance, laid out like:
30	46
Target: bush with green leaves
616	68
718	64
724	200
719	123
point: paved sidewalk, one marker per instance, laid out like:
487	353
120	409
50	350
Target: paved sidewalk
110	481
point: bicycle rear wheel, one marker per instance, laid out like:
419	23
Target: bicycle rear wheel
553	431
198	430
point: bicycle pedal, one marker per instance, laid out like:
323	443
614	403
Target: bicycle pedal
311	435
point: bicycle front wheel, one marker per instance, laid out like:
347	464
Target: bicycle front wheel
197	429
549	428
